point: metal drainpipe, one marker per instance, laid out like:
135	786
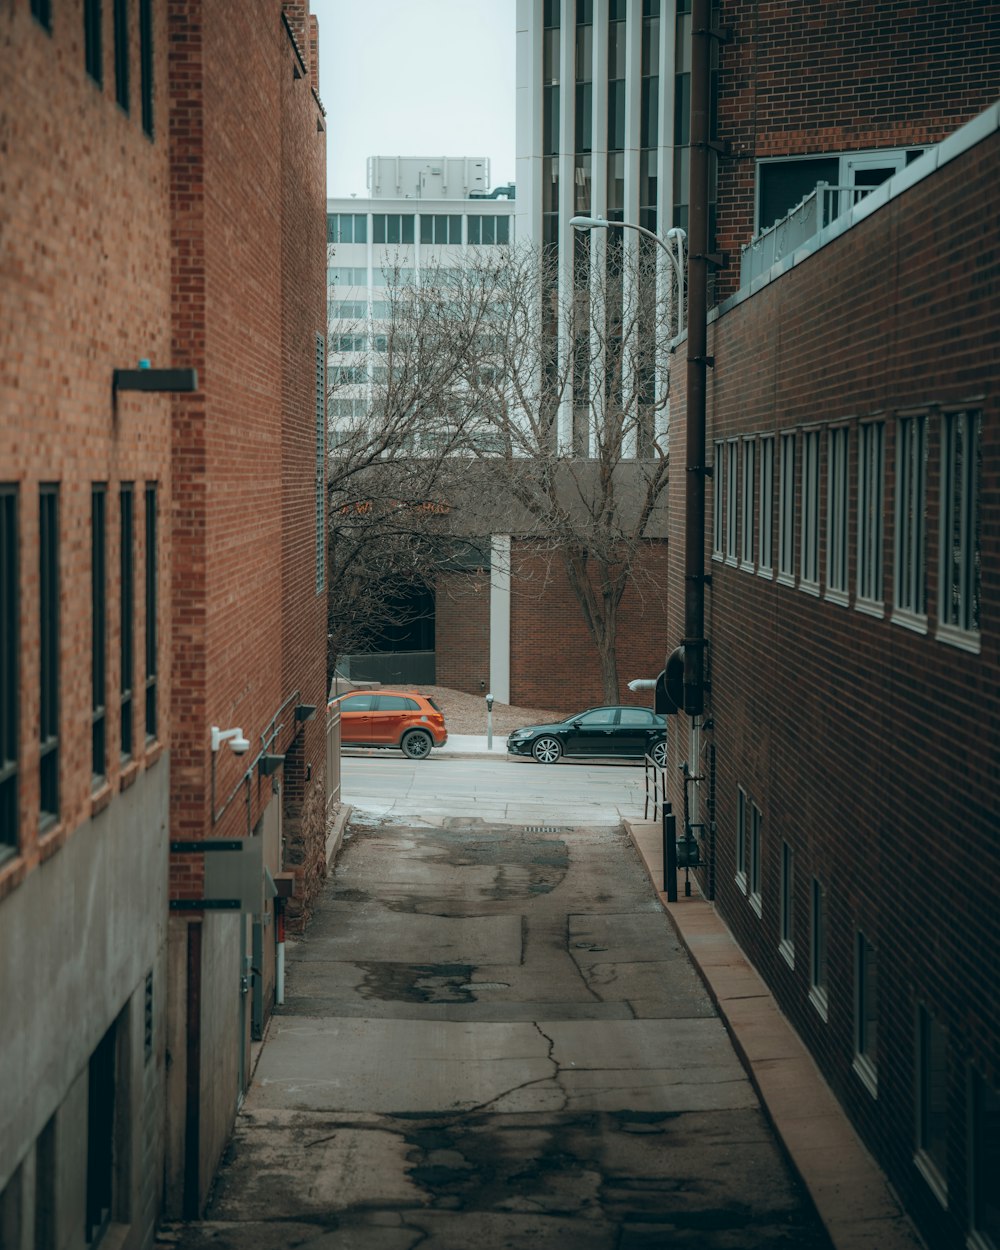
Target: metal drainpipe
694	486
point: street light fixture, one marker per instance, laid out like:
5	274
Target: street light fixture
675	234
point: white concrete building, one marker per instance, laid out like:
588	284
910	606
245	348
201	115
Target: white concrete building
425	214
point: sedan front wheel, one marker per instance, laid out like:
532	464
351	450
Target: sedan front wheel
546	750
658	752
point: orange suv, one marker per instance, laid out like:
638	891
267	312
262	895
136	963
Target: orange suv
391	718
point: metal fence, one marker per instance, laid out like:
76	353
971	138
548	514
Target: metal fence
332	759
803	223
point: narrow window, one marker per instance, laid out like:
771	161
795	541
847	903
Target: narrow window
866	1012
41	11
474	229
146	63
932	1102
747	535
960	557
100	1137
871	504
152	607
765	548
93	50
98	632
48	653
121	53
719	495
984	1162
786	513
10	613
503	230
755	853
817	951
809	559
320	464
741	839
911	477
732	476
126	648
836	512
787	943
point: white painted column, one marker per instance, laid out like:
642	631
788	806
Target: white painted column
500	617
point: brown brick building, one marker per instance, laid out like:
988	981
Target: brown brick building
161	572
846	764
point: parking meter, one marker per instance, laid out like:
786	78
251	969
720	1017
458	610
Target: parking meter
489	722
489	703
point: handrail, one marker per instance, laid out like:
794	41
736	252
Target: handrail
655	780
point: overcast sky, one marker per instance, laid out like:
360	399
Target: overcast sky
416	78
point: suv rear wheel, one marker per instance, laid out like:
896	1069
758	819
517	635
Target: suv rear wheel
416	744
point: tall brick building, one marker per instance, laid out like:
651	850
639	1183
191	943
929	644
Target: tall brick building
161	572
842	782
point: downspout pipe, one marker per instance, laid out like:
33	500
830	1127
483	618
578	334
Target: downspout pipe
697	360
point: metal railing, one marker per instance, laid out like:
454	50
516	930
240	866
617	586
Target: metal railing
803	223
655	778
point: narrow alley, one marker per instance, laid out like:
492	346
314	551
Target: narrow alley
492	1038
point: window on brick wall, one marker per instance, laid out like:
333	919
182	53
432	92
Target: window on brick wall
754	866
41	11
126	640
742	820
836	512
732	478
10	615
121	53
786	511
961	463
93	48
984	1164
817	948
809	537
320	464
765	545
786	943
48	653
932	1103
146	63
152	608
910	598
866	1012
747	530
98	632
717	501
871	504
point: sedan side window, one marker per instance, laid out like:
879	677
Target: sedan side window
599	716
635	716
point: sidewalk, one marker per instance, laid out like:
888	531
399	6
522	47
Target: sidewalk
473	744
852	1195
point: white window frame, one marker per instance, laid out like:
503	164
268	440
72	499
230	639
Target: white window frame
959	573
717	500
765	528
927	1164
732	497
786	917
818	926
838	454
741	838
865	1001
747	528
786	509
809	509
756	851
870	534
909	562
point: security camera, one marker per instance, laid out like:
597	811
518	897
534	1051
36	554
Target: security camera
237	743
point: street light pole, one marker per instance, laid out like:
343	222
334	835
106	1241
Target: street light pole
675	234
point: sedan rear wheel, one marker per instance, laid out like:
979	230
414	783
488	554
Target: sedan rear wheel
659	754
416	744
546	750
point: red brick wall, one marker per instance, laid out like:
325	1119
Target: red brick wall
84	289
554	663
462	630
816	77
869	747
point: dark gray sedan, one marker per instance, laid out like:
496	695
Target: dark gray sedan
626	732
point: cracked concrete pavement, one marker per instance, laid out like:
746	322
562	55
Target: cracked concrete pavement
492	1037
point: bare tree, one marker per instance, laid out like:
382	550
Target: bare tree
561	406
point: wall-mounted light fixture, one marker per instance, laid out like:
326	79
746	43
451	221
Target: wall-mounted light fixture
237	743
305	711
268	765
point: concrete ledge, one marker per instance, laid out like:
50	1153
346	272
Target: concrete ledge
335	833
852	1195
